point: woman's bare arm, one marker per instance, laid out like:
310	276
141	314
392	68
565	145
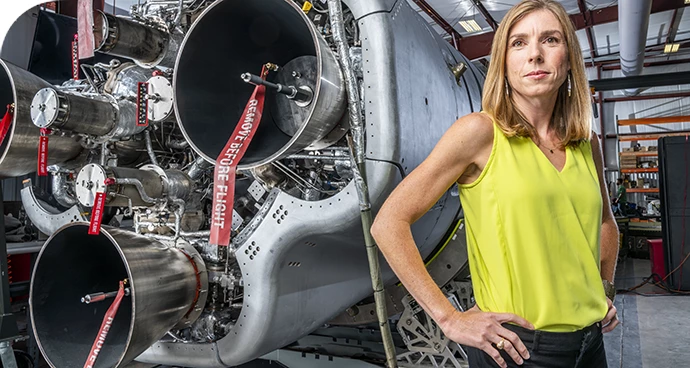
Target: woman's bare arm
609	236
463	149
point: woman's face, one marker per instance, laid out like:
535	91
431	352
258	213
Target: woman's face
537	56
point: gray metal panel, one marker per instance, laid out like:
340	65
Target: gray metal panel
361	8
295	359
308	268
409	87
405	118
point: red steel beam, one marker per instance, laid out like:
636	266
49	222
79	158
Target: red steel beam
486	14
474	47
436	17
675	23
588	29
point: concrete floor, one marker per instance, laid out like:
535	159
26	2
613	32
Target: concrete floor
655	329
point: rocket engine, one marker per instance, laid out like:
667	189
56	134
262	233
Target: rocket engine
139	140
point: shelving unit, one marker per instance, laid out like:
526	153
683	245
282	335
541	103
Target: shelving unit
640	170
640	153
642	190
629	158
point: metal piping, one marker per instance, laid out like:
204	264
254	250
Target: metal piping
140	188
198	168
149	148
59	189
357	146
177	144
633	22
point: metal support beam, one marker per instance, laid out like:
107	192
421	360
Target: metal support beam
653	121
436	17
474	47
586	14
602	127
486	14
648	97
609	66
641	81
675	23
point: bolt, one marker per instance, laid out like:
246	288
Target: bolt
409	322
296	74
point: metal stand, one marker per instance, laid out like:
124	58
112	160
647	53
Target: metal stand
8	322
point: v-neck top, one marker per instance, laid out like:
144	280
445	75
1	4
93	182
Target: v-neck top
533	235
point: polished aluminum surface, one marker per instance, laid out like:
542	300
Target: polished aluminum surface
97	114
161	104
46	218
163	280
58	185
44	107
126	122
124	82
20	147
155	183
91	178
252	34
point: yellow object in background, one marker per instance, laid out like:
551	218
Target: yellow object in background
306	7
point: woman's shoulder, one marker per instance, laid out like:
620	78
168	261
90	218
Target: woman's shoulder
478	126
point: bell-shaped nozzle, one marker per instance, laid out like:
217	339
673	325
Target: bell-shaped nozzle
148	46
19	148
219	65
167	288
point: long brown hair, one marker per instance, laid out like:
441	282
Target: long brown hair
572	115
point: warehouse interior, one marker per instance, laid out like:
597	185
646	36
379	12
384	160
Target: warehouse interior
116	137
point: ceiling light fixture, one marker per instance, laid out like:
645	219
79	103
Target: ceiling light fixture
470	26
671	47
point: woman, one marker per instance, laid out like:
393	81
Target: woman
542	246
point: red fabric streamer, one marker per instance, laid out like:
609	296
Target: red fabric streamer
226	165
97	214
6	122
105	328
43	152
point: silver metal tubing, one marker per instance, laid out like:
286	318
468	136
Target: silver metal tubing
149	148
140	188
357	147
317	157
59	189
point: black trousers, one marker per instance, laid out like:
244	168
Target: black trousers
579	349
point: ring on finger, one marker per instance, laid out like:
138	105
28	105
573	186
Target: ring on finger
501	344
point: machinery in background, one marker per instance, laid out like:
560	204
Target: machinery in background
141	138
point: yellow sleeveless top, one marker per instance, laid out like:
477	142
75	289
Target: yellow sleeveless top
533	235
